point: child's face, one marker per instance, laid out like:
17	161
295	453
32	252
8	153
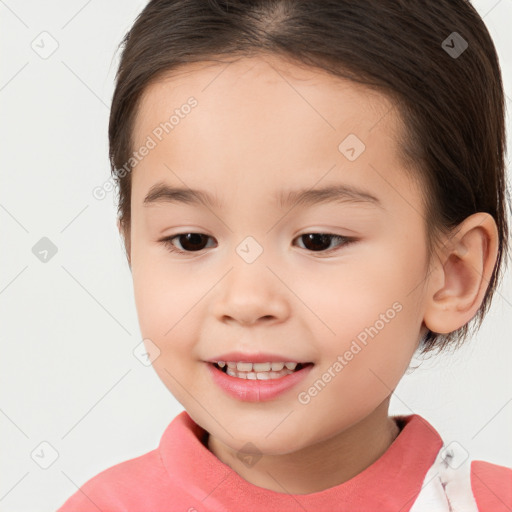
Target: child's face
258	130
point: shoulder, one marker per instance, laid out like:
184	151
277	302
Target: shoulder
119	486
492	486
145	483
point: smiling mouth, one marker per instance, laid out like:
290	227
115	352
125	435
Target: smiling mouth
259	371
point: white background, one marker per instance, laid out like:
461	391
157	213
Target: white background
68	375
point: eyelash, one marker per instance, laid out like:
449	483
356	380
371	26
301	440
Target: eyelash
171	248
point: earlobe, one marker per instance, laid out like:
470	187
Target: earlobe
460	279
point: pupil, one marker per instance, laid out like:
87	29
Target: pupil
195	238
318	239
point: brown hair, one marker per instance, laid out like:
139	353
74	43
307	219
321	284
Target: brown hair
452	106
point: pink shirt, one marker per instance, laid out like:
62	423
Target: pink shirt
183	475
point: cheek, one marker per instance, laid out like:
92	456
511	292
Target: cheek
347	299
162	292
166	311
365	366
373	313
170	302
157	303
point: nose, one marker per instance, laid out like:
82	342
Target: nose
250	295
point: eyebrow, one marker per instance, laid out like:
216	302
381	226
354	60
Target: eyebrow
164	193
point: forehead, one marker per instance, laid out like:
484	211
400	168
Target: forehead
259	119
262	84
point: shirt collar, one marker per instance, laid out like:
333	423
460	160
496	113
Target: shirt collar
390	484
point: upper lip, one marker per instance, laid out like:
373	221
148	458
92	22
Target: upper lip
260	357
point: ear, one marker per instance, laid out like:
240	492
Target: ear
125	241
461	274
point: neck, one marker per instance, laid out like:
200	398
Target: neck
325	464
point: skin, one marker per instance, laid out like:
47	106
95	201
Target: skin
263	125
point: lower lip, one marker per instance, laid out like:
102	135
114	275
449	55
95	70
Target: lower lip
256	390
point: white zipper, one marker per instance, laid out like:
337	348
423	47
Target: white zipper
447	484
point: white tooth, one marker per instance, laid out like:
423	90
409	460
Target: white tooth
263	375
251	376
229	371
231	365
276	367
291	366
221	364
242	375
261	367
274	375
244	367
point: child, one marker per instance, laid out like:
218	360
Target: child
340	167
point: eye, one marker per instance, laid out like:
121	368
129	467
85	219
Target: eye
190	242
317	242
